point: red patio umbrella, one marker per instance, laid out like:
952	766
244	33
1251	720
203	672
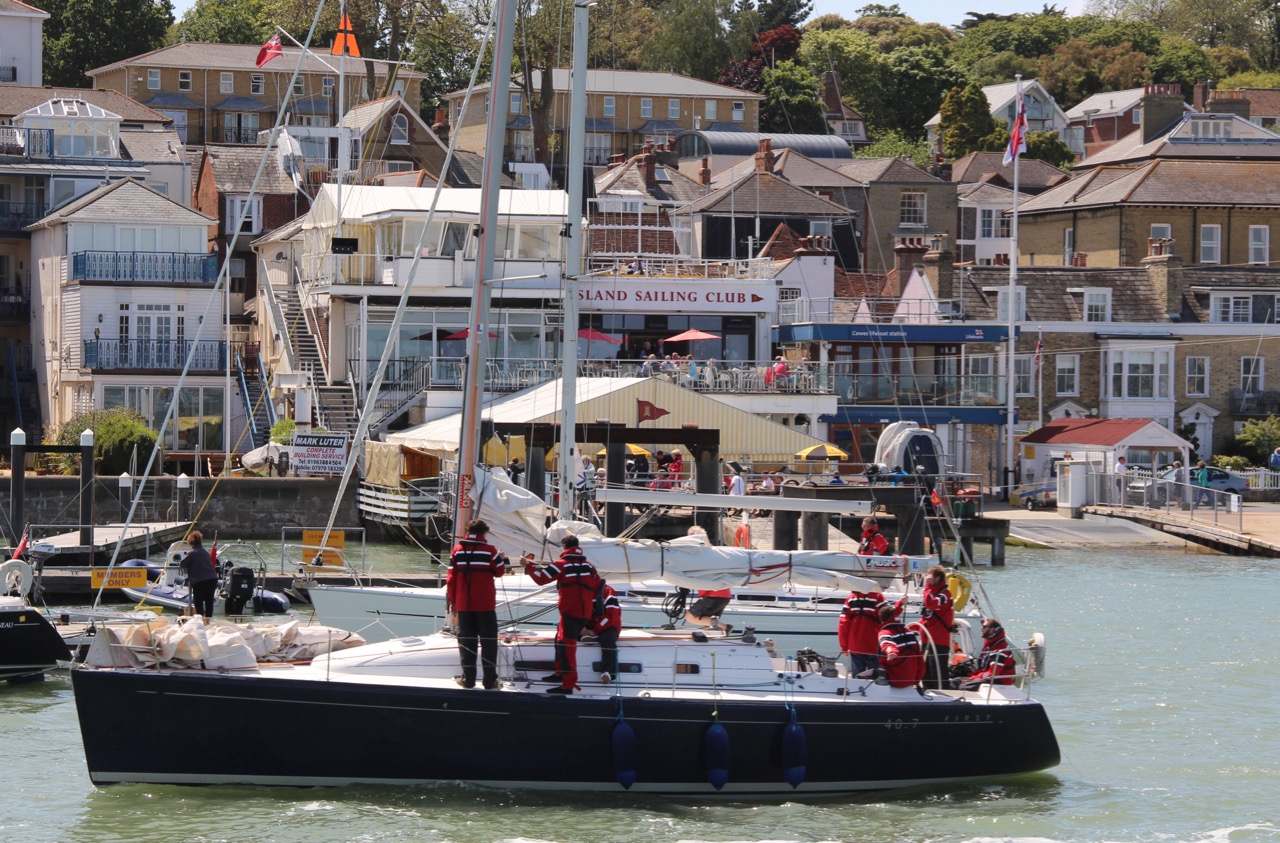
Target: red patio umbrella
594	335
464	333
694	334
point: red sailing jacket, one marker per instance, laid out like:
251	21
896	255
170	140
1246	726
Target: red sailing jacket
901	655
937	613
576	582
873	543
612	617
996	662
859	627
474	566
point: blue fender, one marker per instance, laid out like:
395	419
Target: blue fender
624	754
793	754
717	749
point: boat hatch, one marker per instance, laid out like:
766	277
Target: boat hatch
688	668
757	598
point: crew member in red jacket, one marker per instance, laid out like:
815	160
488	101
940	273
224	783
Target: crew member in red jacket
901	655
937	613
471	593
873	541
576	581
995	663
605	628
859	628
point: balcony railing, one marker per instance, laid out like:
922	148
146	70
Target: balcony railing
15	303
28	143
210	356
171	267
919	390
226	134
15	216
888	310
1255	402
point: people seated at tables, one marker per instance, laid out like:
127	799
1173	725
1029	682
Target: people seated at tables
766	486
649	367
781	374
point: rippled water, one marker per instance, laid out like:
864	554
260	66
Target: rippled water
1162	679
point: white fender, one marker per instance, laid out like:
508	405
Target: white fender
1036	654
16	577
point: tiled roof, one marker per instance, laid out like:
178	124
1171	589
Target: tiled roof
1107	104
868	170
988	194
1263	102
1034	176
198	54
1085	431
1167	182
15	99
634	82
1130	149
1047	298
125	201
157	147
999	96
676	189
14	7
234	168
765	191
795	167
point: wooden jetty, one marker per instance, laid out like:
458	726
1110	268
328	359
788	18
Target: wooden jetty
140	540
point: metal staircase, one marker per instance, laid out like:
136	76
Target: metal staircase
337	408
257	400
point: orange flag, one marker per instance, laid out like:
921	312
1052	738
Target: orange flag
345	41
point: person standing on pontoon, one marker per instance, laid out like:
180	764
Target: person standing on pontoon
471	593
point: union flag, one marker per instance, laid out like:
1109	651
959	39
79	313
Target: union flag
648	411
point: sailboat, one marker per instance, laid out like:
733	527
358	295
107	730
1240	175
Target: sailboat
688	713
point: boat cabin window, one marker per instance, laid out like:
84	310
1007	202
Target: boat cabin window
455	238
688	668
757	598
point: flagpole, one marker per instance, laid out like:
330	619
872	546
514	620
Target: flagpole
1040	378
1011	410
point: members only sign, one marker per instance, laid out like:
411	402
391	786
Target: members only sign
319	453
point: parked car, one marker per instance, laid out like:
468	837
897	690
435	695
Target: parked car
1163	488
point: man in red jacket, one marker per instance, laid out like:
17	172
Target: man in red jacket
873	541
606	628
937	613
471	592
576	581
859	628
995	663
900	651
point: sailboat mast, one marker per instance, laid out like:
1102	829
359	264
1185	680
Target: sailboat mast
1011	410
473	383
569	460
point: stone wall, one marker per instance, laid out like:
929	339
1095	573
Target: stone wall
241	508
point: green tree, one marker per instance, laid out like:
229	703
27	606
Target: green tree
1230	61
116	432
1049	148
699	37
864	69
892	32
444	47
967	125
1262	437
1075	70
776	13
1178	60
792	101
919	78
1001	67
83	34
891	144
1256	79
223	22
1029	36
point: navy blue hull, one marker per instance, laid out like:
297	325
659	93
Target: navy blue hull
381	734
29	645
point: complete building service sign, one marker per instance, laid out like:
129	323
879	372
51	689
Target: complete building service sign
319	453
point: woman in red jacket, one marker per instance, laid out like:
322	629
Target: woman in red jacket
471	593
576	581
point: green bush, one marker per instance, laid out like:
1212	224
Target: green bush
282	431
1231	463
115	433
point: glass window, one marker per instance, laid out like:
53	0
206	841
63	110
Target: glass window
1139	373
227	82
212	425
1068	246
1067	374
522	146
184	80
1197	376
646	107
673	109
299	87
455	238
153	80
517	103
257	84
1002	304
1210	244
1097	305
399	129
326	86
1232	308
189	418
1251	374
1259	244
599	146
537	242
1023	378
739	111
709	109
610	107
1160	230
912	211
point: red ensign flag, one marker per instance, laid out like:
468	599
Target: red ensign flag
270	50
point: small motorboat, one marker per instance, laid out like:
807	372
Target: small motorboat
239	588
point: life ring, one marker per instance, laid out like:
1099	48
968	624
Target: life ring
742	536
960	588
16	578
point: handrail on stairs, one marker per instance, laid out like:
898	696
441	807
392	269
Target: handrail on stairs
17	391
248	400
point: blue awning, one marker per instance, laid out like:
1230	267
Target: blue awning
653	127
936	334
171	100
725	127
601	124
311	105
887	414
242	104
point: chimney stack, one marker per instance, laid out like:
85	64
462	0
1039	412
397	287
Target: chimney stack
1228	102
704	174
1200	94
940	269
1162	106
1165	274
648	162
441	126
764	158
907	252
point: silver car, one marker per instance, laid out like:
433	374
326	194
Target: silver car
1163	488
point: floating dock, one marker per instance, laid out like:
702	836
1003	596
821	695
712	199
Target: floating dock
140	541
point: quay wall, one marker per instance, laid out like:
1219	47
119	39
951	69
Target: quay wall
241	507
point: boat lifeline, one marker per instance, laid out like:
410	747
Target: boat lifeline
685	715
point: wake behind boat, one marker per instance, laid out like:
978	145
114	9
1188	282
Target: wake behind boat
683	717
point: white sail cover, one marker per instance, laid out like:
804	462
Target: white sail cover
515	518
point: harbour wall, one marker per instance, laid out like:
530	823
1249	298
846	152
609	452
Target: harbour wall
240	508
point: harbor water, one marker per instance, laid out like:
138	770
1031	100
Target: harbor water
1161	685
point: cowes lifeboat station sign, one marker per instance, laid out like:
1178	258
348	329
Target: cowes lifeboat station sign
693	296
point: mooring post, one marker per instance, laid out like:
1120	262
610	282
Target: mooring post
184	488
997	550
86	489
17	483
615	475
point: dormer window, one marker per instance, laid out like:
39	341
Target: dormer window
1002	303
1097	305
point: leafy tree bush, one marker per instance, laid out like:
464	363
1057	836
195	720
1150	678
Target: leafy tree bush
895	145
1260	437
1049	148
1231	463
282	431
792	100
1253	79
115	433
967	125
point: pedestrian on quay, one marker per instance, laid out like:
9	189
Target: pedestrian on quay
1275	460
576	582
901	654
471	594
1203	493
859	628
937	614
201	573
